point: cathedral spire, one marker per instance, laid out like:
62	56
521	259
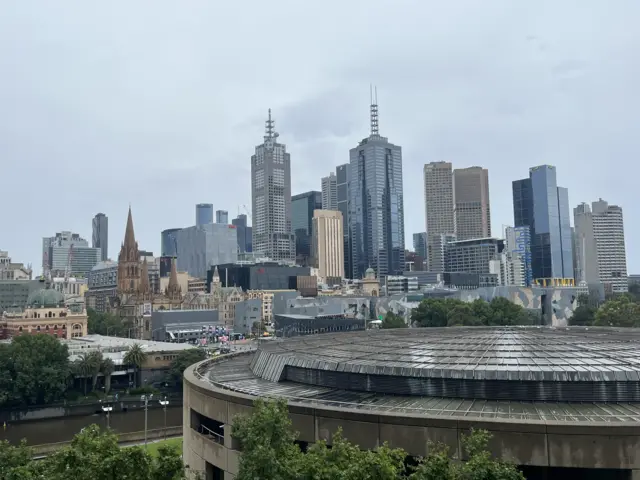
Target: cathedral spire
129	236
173	291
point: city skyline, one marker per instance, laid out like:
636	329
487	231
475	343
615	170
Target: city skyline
525	103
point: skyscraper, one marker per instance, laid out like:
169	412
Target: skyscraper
330	192
302	208
271	198
204	214
222	216
68	253
518	244
243	232
342	188
471	210
327	244
100	234
169	242
376	209
541	205
420	244
438	199
600	245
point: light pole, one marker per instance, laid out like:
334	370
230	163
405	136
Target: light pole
164	404
146	399
107	409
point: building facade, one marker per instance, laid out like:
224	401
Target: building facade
271	198
102	286
169	242
541	205
376	207
68	254
222	216
438	199
471	206
328	244
13	271
342	187
100	235
330	192
302	208
200	247
518	244
204	214
244	234
258	276
420	244
472	256
600	245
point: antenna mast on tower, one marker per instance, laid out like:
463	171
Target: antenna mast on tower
269	124
373	93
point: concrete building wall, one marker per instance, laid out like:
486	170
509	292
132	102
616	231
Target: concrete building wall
547	444
200	247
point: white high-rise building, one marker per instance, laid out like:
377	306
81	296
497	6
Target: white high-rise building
330	192
271	199
599	240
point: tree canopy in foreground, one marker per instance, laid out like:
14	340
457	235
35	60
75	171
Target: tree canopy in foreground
269	452
92	455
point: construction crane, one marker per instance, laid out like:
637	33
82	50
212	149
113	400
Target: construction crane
247	212
67	270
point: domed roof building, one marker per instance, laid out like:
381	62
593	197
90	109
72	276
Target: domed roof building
46	312
44	298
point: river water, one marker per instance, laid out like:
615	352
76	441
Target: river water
63	429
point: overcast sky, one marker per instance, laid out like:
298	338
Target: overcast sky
160	103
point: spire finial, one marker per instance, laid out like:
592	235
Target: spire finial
373	93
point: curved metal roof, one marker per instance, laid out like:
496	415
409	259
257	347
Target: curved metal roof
514	363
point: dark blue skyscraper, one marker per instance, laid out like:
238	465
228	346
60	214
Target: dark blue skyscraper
342	184
302	207
244	233
376	207
541	205
204	214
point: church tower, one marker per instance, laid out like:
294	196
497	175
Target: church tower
129	274
173	292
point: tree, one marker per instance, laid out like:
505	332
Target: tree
184	359
267	443
504	312
135	357
584	314
14	460
391	320
462	315
82	367
95	364
38	368
107	369
433	312
104	323
618	312
269	453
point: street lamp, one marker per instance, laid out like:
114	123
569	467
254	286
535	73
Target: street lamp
164	404
107	409
145	399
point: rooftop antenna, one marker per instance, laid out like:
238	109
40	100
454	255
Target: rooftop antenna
373	93
269	128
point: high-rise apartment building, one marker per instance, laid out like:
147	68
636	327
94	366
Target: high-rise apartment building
471	209
376	207
222	216
302	208
342	187
330	192
328	244
204	214
600	245
100	234
438	199
518	245
68	253
541	205
271	198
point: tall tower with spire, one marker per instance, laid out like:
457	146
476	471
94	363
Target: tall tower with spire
376	203
129	272
271	198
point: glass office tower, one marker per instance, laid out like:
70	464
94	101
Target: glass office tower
302	207
376	209
541	205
